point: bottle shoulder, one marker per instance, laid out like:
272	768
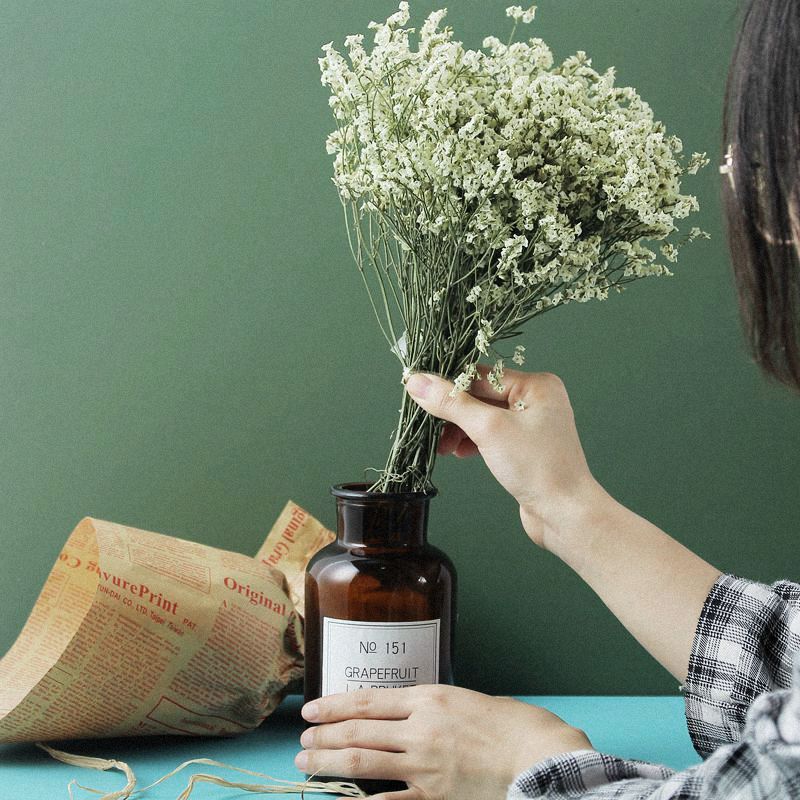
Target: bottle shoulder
338	562
336	551
436	552
330	551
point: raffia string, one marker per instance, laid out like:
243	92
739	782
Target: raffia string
277	785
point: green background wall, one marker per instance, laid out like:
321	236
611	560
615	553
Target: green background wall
185	344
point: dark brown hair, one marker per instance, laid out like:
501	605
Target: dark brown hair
762	192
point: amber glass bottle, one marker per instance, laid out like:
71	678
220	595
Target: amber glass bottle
380	601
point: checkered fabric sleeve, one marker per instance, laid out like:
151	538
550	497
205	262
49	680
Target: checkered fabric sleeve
745	639
743	703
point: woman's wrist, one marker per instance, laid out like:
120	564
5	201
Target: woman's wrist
568	524
570	740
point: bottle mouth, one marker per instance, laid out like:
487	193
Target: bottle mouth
358	491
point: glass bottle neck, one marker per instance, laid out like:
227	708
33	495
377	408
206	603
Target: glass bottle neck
382	520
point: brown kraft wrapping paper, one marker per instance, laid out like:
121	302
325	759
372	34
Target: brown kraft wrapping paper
137	633
294	538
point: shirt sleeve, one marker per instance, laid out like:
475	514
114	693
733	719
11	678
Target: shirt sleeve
746	636
764	764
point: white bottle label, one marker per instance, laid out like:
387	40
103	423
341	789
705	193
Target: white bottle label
366	655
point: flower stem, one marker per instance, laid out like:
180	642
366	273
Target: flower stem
413	454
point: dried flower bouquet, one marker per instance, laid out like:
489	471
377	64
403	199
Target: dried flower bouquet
484	187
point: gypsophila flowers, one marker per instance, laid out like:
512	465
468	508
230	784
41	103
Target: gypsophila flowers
484	187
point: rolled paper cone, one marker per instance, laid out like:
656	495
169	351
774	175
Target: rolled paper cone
137	633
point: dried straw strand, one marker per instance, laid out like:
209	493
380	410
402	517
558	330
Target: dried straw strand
276	785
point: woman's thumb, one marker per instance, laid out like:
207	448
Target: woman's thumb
437	397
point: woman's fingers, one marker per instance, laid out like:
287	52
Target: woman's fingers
450	439
362	704
466	448
406	794
353	762
437	396
361	733
485	391
515	385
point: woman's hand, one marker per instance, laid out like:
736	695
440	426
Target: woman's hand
445	742
526	435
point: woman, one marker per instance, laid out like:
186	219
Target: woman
729	641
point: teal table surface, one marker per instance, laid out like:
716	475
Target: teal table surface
647	728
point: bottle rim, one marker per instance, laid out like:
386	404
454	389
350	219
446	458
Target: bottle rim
358	491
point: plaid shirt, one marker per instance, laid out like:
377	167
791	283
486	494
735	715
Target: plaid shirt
742	709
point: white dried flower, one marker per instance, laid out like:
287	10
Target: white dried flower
474	294
495	375
518	15
484	337
697	162
461	384
670	252
697	233
519	355
518	406
464	379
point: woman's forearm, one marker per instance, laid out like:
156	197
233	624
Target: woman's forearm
654	585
